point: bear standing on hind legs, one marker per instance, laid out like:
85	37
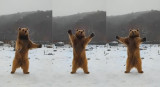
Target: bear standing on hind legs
132	42
79	42
23	44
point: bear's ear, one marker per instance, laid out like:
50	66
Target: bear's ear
137	29
130	29
76	29
19	28
27	29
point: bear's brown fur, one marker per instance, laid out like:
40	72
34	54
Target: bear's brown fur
23	44
79	42
132	42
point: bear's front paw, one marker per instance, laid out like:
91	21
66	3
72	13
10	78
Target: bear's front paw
117	37
144	39
92	35
40	46
69	31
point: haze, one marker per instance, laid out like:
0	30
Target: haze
69	7
14	6
118	7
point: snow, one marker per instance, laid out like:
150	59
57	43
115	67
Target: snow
1	42
106	66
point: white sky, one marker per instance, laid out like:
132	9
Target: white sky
69	7
118	7
14	6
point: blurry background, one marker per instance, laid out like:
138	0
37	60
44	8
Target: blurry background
125	14
33	14
49	20
89	15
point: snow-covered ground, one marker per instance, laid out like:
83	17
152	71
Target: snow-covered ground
106	65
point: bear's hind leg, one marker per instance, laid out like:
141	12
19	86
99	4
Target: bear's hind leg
139	66
128	66
85	68
14	66
25	67
74	69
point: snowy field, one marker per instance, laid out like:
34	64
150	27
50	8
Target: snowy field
51	67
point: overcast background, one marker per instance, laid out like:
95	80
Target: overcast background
14	6
69	7
118	7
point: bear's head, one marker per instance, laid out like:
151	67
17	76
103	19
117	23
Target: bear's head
23	33
134	33
80	34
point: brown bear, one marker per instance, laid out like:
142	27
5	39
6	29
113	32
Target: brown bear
132	42
23	44
79	43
